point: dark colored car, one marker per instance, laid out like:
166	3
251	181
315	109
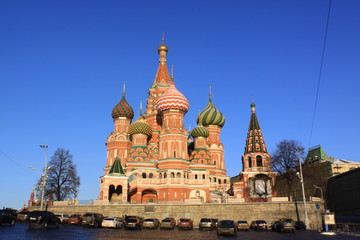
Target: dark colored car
275	226
286	225
300	225
226	227
168	223
185	223
215	222
92	220
75	219
133	222
151	223
206	223
42	219
8	216
258	225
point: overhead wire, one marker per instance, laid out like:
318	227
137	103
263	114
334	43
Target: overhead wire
320	73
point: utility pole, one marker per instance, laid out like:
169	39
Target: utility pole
303	192
44	176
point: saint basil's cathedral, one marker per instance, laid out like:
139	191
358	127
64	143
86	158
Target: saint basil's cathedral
156	160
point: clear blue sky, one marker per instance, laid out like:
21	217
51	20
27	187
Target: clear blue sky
62	65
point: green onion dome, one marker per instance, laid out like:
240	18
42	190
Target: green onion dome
211	116
200	131
123	109
140	126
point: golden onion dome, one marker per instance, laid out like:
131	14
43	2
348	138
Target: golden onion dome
162	47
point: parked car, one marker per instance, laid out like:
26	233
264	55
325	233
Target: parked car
22	216
112	222
206	223
44	219
226	227
75	219
215	222
151	223
258	225
242	225
286	225
168	223
7	216
64	218
185	223
300	225
92	220
133	222
275	226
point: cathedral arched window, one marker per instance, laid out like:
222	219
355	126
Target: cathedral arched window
172	175
164	175
224	180
178	175
143	175
160	175
151	175
250	162
203	176
259	162
214	179
219	181
196	177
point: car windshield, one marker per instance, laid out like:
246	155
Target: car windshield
260	222
74	216
109	219
184	220
149	220
288	220
132	220
166	220
242	221
226	223
205	220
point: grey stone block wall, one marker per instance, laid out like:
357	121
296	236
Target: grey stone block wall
268	211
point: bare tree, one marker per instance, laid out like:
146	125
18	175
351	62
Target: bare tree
285	161
62	182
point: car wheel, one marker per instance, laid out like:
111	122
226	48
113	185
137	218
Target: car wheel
96	225
43	225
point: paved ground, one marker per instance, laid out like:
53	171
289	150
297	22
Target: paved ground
21	231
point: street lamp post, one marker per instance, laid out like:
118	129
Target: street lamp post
321	192
43	182
303	192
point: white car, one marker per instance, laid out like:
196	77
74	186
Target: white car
112	222
64	218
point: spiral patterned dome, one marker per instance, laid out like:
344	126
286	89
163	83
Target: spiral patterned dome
123	109
140	126
172	99
200	131
211	116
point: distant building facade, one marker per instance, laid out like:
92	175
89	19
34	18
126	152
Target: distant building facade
156	160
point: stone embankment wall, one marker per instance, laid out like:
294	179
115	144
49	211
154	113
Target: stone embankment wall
268	211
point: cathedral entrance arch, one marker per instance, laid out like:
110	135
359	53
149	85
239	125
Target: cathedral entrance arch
260	186
149	196
115	194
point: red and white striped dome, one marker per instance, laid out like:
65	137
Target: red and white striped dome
172	99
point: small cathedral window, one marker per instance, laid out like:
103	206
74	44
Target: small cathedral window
259	161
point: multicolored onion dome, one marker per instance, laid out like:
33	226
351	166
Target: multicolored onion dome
123	109
140	126
211	116
172	99
200	131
